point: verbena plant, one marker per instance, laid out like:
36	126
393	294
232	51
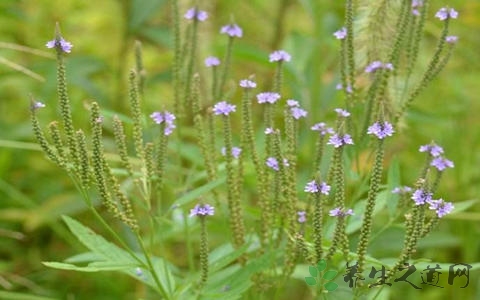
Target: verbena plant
279	222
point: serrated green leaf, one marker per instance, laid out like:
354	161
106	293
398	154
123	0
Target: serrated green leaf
224	255
141	11
313	271
93	267
463	205
22	296
164	274
85	257
321	265
97	243
238	282
310	281
196	193
330	286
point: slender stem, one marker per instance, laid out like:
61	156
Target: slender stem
150	266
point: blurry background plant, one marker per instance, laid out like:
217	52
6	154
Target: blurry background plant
103	35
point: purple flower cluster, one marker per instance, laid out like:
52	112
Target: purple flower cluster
223	108
342	113
296	110
202	210
445	13
441	163
37	104
232	30
63	44
415	5
212	61
314	187
421	197
381	130
194	13
292	103
451	39
432	148
272	163
341	33
339	86
322	128
247	84
372	67
268	97
441	207
302	216
280	55
402	190
164	117
337	140
269	130
338	212
236	151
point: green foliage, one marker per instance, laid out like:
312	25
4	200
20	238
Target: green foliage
35	193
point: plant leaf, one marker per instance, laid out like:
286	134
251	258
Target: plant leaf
321	265
330	275
330	286
313	271
310	281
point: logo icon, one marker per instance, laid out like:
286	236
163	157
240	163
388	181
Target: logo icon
317	275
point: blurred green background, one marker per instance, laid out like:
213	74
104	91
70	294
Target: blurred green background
34	193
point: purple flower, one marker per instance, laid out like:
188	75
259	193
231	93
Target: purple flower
302	216
445	13
298	112
292	103
322	128
236	151
441	207
268	97
37	104
314	187
338	212
339	86
415	5
421	197
223	108
269	130
192	13
441	163
451	39
232	30
341	33
338	141
247	84
381	130
342	113
402	190
164	117
372	67
279	55
272	163
432	148
212	61
202	210
63	44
